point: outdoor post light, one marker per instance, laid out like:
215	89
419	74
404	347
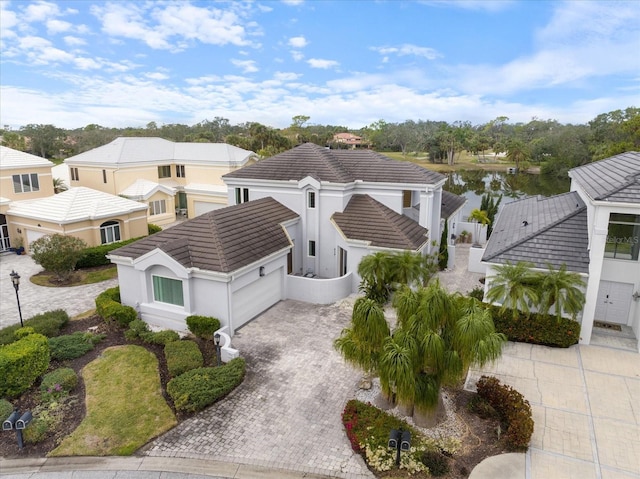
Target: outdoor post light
400	441
216	340
15	279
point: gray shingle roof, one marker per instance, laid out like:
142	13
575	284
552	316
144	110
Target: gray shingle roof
450	203
336	166
555	233
366	219
612	179
222	240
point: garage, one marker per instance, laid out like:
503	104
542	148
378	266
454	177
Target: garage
201	207
253	299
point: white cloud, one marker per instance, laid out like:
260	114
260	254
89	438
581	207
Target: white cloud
293	2
58	26
74	41
156	76
298	42
296	55
485	5
408	49
248	66
41	11
286	76
9	20
323	64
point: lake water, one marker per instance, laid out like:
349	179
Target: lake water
474	183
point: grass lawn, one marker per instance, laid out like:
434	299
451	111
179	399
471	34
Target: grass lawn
125	407
80	277
463	161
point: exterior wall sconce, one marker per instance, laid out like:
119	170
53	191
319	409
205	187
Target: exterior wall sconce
261	271
636	296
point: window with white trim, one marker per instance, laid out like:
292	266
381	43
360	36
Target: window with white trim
26	183
311	199
168	290
312	248
180	171
74	174
623	237
164	171
109	232
242	195
157	207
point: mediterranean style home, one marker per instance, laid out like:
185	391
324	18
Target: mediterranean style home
173	179
349	139
299	224
594	229
29	209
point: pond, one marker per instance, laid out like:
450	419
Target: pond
472	184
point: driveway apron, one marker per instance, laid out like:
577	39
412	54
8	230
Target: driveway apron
286	413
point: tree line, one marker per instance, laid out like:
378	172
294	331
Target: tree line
553	146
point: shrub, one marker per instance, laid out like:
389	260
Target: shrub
153	228
58	253
514	411
536	328
161	337
109	308
58	383
198	388
97	255
437	462
48	324
71	346
21	363
477	293
203	326
46	417
182	356
6	408
138	329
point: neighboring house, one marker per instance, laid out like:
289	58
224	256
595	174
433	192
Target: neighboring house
93	216
451	212
349	139
22	177
594	230
173	179
300	223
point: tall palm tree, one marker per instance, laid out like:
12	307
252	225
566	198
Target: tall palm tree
515	286
517	152
561	289
375	271
362	343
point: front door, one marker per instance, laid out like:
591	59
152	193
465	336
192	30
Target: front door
614	301
4	237
343	261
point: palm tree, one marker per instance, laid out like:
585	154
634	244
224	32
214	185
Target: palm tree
563	290
361	343
439	335
59	186
479	217
517	152
375	271
515	286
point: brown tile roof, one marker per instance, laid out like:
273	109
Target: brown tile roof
366	219
612	179
450	203
336	166
222	240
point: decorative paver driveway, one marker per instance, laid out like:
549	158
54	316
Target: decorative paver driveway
586	408
286	413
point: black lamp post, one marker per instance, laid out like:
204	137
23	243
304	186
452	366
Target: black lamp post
400	441
15	279
216	341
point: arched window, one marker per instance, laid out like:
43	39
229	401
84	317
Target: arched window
109	232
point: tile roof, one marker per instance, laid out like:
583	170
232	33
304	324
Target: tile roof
336	166
222	240
543	231
450	203
143	189
612	179
366	219
10	158
75	204
135	150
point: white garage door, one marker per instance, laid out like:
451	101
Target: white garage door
34	235
253	299
204	207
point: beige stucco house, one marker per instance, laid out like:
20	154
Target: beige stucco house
29	209
173	179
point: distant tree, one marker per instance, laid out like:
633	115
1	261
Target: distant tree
44	140
517	152
12	139
58	254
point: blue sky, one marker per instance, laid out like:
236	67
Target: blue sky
348	62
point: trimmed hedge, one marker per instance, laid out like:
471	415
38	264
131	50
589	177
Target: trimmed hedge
203	326
48	324
138	329
514	411
72	346
97	255
182	356
153	229
21	363
199	388
109	308
536	328
59	380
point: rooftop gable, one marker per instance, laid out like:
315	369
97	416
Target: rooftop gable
450	204
336	166
366	219
222	240
11	159
615	179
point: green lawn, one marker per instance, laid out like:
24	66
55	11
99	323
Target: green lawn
125	407
81	276
463	161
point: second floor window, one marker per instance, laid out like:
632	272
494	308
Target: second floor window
26	183
74	174
311	199
623	237
242	195
104	176
157	207
312	248
180	171
164	171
